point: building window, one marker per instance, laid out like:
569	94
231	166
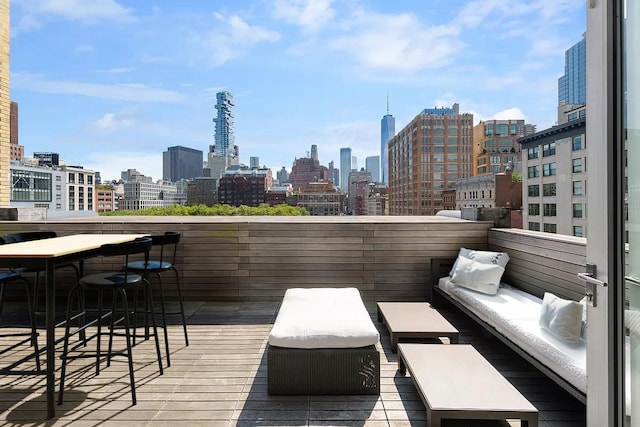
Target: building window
577	143
80	178
549	169
503	129
577	165
549	209
80	198
72	198
72	178
514	129
534	226
549	149
489	129
549	189
90	179
534	209
534	190
577	188
550	228
577	210
533	171
577	231
29	186
533	153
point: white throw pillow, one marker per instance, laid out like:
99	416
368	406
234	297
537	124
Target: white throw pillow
583	331
474	275
483	257
561	318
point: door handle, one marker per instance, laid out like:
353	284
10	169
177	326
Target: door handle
633	280
591	283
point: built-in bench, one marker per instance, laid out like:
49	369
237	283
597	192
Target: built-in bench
512	316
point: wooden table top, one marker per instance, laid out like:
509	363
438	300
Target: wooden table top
60	246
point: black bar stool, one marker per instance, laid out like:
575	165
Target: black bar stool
168	243
7	279
117	282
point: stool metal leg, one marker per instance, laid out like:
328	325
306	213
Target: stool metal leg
184	322
149	297
164	318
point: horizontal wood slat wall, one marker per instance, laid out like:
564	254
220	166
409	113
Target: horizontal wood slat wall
387	258
542	262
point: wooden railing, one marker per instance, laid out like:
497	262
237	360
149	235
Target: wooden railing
387	258
542	262
259	257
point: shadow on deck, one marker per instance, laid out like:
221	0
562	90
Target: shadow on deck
220	380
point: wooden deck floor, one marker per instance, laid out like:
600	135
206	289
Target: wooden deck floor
220	380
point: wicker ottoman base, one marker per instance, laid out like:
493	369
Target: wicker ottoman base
323	371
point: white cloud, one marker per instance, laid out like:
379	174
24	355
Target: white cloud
112	122
122	92
83	10
399	43
513	113
234	38
310	15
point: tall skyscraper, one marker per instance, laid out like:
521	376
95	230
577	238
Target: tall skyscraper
314	152
416	179
282	175
345	168
181	163
388	130
254	162
334	175
572	87
224	138
372	165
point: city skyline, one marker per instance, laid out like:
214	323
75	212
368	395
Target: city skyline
112	84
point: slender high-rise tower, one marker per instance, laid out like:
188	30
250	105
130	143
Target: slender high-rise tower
224	139
388	131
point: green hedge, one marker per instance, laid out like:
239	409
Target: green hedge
216	210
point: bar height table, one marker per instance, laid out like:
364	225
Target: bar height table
46	253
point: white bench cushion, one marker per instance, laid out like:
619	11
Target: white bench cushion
323	318
515	314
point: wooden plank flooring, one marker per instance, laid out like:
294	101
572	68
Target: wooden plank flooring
220	380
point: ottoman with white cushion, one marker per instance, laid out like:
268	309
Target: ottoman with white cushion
323	341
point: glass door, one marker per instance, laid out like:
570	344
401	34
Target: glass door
631	305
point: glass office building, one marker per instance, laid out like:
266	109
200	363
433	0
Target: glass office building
572	87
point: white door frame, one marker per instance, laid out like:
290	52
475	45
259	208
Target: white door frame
605	244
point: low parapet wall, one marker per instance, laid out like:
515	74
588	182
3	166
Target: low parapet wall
387	258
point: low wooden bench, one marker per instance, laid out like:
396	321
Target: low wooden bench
456	382
414	320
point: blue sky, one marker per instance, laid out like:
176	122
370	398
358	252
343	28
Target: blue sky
110	84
